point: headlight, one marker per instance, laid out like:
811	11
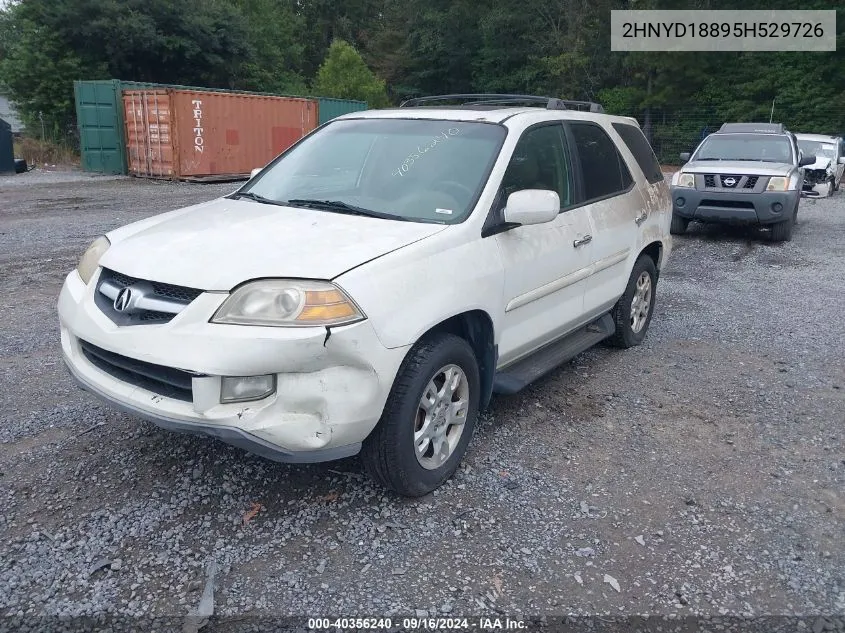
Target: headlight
91	258
685	180
288	302
778	183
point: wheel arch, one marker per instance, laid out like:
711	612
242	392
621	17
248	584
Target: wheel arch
655	251
475	327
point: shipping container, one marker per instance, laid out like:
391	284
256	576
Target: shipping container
333	108
99	118
99	115
193	134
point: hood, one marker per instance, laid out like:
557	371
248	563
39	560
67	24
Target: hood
222	243
744	167
822	162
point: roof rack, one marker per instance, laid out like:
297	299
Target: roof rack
760	128
503	101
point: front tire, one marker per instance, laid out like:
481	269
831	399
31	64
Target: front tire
429	417
782	231
632	313
679	225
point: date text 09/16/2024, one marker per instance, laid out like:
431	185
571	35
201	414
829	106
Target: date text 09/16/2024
418	624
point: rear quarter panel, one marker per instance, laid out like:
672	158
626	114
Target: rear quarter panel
654	199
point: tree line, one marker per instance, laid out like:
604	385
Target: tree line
383	51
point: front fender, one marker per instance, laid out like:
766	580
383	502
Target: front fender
409	291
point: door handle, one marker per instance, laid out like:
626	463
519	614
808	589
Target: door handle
641	218
584	240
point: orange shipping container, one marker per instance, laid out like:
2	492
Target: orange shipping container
185	134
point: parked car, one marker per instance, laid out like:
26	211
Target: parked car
824	176
372	287
745	173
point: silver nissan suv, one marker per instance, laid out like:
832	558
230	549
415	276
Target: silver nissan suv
746	173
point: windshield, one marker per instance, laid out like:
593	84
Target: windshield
817	148
756	147
422	170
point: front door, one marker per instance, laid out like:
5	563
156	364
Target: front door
545	265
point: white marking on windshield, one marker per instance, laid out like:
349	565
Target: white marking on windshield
414	156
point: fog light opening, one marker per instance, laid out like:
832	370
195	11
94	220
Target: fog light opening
246	388
777	207
680	201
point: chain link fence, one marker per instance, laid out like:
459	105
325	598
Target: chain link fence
681	130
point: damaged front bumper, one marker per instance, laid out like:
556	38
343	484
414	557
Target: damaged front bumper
818	183
330	387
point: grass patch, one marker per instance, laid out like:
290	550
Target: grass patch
45	153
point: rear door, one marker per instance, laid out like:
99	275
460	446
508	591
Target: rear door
614	209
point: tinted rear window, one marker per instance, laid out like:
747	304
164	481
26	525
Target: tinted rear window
604	171
642	151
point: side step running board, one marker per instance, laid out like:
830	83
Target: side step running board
519	375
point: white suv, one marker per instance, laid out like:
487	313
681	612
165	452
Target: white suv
368	290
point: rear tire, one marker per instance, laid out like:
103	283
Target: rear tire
782	231
429	418
679	225
632	313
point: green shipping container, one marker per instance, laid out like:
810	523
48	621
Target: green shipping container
99	117
331	108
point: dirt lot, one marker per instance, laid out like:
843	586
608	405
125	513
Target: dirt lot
701	473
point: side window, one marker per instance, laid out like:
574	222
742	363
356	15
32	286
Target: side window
540	161
603	169
637	143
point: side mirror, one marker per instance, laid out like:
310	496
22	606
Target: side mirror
841	160
806	160
685	156
532	206
255	172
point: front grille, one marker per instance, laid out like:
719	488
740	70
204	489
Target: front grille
165	291
152	315
165	381
168	299
732	204
717	181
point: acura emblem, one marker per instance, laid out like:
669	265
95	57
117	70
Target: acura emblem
730	182
121	301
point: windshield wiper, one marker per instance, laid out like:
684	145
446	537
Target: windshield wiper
254	196
337	206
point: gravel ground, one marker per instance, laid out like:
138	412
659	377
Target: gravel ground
701	473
